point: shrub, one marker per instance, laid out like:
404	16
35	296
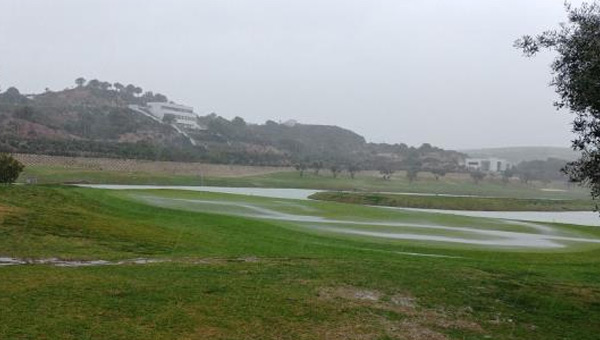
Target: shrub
10	169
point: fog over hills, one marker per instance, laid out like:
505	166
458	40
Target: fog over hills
524	153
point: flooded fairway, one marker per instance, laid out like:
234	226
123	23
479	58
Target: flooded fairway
587	218
375	223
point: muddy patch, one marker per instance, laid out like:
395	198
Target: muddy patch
12	261
350	293
410	321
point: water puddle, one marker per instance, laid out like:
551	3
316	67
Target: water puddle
298	194
11	261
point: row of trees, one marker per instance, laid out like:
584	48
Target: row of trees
538	170
335	168
127	90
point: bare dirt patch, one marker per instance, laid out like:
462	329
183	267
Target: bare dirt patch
146	166
8	211
411	322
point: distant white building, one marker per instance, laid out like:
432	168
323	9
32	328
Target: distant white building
182	115
487	164
290	123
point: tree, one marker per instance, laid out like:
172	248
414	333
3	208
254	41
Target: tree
477	176
13	96
169	119
105	86
119	87
130	89
238	121
80	81
300	167
386	171
94	83
438	172
413	163
10	169
317	166
353	168
412	173
335	170
24	112
507	175
576	70
160	98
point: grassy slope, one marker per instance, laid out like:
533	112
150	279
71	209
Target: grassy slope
283	296
364	182
456	203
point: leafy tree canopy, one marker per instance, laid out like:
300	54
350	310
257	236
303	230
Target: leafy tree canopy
576	74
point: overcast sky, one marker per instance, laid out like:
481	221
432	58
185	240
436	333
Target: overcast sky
412	71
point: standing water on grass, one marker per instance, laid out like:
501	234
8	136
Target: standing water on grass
571	217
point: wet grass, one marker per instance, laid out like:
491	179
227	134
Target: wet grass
457	203
280	292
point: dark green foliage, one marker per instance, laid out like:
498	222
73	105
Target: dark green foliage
477	176
335	170
301	167
13	96
80	82
413	164
353	169
576	71
544	171
10	168
438	172
456	203
24	112
168	119
317	166
412	173
386	172
507	175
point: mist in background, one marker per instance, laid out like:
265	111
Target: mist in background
442	72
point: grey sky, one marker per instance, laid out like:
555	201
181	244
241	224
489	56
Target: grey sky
408	71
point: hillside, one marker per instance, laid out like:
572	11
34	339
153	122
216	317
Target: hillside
525	153
94	119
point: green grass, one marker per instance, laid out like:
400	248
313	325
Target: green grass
56	174
457	203
297	289
366	182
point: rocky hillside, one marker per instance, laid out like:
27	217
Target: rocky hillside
93	119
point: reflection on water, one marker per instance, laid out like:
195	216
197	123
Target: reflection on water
568	217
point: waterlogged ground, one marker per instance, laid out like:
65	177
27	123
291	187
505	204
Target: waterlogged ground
585	218
80	263
378	224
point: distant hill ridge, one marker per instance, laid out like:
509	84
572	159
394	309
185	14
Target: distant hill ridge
524	153
93	119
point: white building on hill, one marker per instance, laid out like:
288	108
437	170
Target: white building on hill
181	114
487	164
